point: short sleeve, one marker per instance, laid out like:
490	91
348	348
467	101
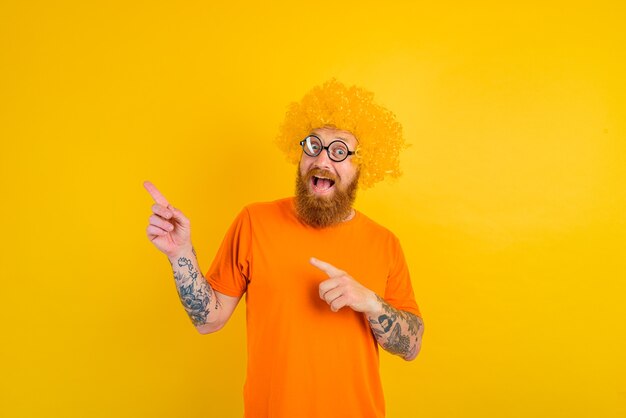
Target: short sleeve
230	269
399	291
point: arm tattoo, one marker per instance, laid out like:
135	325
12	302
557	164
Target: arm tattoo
396	342
193	289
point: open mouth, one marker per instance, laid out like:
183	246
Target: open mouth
322	184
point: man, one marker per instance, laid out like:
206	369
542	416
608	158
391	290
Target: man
324	284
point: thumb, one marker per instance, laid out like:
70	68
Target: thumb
178	215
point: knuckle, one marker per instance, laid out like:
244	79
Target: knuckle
161	210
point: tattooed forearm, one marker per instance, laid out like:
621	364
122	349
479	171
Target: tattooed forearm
194	291
398	332
397	343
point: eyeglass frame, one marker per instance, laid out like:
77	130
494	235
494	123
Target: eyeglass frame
327	148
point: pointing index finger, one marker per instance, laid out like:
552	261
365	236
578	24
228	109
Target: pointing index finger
327	268
155	193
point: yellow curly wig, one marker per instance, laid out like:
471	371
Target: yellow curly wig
350	109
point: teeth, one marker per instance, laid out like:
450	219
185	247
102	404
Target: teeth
316	179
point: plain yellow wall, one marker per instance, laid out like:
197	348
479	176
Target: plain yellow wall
511	210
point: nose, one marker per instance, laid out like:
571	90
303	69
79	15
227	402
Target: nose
323	160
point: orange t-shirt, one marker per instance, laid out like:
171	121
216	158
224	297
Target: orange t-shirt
303	359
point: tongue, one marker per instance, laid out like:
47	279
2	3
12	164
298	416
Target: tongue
323	184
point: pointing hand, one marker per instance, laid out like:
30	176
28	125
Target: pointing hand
342	290
169	229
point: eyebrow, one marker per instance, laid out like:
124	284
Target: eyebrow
335	138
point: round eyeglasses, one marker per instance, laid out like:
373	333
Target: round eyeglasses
337	150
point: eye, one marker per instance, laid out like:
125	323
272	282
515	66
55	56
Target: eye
339	150
313	145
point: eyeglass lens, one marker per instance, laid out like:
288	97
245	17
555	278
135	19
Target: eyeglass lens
337	150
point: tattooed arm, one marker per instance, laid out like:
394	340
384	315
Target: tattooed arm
209	310
170	232
398	332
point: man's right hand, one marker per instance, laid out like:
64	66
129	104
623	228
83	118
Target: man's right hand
169	229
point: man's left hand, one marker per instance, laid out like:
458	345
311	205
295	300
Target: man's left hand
342	290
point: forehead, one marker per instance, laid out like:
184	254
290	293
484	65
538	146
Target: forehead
329	134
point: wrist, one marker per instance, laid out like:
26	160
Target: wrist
375	305
187	252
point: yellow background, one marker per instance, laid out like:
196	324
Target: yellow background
511	210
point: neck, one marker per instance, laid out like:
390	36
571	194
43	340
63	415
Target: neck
350	215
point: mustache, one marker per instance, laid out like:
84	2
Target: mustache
320	172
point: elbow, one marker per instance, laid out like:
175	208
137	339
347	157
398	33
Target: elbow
415	350
209	328
412	354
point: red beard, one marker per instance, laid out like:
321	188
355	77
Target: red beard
323	211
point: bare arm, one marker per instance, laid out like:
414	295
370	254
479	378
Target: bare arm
208	310
398	332
170	232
